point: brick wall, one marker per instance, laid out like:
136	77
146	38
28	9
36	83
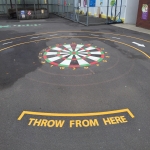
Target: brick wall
143	18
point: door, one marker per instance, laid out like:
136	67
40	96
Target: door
143	18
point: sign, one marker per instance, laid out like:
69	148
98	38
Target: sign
92	3
113	3
145	12
22	13
29	13
101	2
65	3
84	3
42	11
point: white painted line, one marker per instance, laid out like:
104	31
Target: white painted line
53	34
94	35
138	44
115	38
6	43
34	37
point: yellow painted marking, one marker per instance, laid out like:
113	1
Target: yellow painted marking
107	56
127	36
46	123
78	37
75	114
51	65
62	68
83	123
102	49
104	60
74	31
86	67
105	52
97	64
43	62
74	68
114	120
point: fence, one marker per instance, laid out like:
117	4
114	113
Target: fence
87	14
81	11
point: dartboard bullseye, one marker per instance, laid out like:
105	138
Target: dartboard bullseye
72	55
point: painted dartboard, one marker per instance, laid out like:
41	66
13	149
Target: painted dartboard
73	55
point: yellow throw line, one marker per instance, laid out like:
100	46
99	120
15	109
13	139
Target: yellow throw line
75	114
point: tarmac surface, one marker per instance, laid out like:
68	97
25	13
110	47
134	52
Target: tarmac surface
67	86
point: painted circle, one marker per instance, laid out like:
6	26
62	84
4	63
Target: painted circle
131	66
73	55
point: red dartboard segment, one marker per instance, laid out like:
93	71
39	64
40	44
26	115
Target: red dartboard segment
74	58
87	45
45	56
53	63
81	49
94	62
84	58
64	58
98	49
74	66
73	45
47	50
102	56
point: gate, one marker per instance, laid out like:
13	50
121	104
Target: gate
66	9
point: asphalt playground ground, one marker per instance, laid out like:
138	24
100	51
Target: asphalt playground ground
64	86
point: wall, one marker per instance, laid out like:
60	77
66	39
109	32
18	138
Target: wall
131	11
